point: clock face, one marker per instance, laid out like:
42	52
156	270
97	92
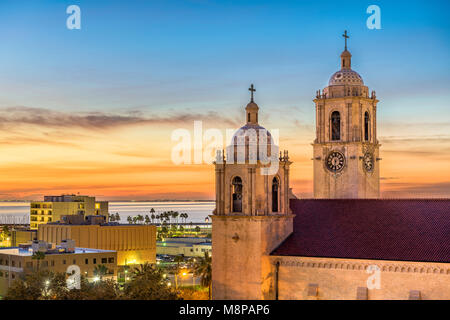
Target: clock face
335	161
368	162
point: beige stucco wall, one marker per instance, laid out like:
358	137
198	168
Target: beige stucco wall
240	267
339	278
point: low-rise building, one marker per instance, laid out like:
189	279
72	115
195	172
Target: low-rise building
54	207
189	247
22	236
135	244
17	261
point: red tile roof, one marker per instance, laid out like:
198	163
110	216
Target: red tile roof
382	229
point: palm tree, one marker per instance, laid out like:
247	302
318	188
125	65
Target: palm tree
167	216
38	255
152	214
203	269
100	271
142	269
175	215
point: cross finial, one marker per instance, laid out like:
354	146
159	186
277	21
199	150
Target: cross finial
345	37
251	89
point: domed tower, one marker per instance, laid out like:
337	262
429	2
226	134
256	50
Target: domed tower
346	149
252	214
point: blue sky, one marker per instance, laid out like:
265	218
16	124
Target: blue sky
178	54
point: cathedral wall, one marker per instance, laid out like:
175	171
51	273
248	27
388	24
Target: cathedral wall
240	245
303	278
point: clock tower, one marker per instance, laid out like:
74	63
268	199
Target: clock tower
346	149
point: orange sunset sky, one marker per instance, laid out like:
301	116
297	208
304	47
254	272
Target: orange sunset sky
91	111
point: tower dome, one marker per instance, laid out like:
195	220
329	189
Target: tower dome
252	141
346	77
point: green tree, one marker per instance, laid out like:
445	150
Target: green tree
6	232
203	269
100	271
38	256
147	219
175	215
152	214
148	283
129	220
112	218
117	217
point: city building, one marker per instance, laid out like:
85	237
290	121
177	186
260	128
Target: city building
188	247
17	261
22	236
134	243
344	244
54	207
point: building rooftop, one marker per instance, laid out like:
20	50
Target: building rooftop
381	229
19	251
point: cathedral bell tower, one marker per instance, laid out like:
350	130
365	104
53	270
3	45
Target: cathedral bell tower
346	149
252	215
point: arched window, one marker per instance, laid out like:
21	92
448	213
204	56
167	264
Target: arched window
335	126
237	194
275	190
366	126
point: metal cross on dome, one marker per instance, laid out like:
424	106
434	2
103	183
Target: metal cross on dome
345	37
251	89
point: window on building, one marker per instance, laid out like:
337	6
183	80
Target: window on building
237	194
74	261
110	260
86	261
64	261
335	126
366	126
52	263
13	263
1	274
29	264
95	260
275	190
104	260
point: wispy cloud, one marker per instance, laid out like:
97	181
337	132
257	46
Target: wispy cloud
13	116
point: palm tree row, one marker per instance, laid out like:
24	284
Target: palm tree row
162	218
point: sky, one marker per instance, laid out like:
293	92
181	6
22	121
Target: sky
93	110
